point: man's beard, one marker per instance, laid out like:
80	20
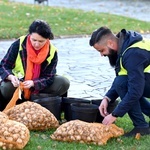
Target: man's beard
112	57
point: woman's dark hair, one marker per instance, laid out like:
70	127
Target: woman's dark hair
42	28
98	34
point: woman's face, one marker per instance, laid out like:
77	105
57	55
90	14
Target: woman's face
37	41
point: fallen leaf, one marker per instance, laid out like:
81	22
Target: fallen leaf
43	136
137	136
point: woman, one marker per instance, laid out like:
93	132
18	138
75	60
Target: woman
32	59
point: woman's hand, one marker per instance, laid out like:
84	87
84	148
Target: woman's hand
28	84
103	107
14	80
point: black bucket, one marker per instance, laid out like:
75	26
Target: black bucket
99	118
66	106
3	102
40	95
111	107
84	112
53	104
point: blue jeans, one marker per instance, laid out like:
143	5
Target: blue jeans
141	106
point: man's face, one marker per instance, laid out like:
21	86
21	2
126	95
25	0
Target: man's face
104	50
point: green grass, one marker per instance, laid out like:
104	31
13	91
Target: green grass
15	19
41	141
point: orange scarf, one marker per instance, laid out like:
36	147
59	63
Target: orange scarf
34	60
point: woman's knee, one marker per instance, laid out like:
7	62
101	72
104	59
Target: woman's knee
64	82
7	90
59	87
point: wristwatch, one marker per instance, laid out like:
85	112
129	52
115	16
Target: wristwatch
113	114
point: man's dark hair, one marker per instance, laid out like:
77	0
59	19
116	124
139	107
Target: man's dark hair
42	28
98	34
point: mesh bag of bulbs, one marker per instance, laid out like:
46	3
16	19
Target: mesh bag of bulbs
13	135
84	132
32	115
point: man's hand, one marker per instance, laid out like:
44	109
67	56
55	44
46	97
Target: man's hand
28	84
103	107
109	119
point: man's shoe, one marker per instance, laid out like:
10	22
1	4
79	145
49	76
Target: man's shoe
134	131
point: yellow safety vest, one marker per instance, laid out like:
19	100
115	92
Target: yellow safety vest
18	70
144	44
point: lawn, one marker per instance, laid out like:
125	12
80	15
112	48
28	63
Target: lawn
16	18
41	140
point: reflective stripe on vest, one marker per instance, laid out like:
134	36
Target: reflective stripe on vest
144	44
18	70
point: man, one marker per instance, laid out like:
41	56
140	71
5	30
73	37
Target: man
129	54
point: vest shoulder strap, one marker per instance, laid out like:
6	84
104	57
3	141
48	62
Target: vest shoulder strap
53	49
144	44
21	41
